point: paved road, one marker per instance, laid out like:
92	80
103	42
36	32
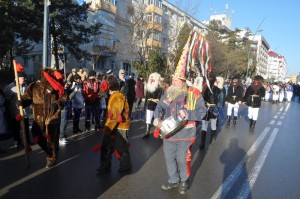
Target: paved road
264	163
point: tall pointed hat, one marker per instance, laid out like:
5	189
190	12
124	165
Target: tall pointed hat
180	71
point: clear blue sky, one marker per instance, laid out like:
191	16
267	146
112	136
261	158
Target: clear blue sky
281	22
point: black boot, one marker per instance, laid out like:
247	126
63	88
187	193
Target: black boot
147	133
183	187
251	122
125	162
213	136
234	120
228	120
105	167
203	139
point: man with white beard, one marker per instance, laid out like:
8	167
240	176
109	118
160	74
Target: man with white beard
188	104
153	94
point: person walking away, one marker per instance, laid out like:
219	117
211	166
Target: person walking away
139	93
131	92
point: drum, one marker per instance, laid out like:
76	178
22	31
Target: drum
171	126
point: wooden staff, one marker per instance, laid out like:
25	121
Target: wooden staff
22	114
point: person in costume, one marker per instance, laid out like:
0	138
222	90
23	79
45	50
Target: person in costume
275	95
252	98
139	91
233	100
210	95
47	100
186	103
153	94
115	138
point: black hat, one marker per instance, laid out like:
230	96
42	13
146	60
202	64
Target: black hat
21	74
113	83
132	74
92	73
258	77
77	77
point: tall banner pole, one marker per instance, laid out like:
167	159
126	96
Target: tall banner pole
22	114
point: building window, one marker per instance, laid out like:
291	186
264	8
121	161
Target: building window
25	61
127	68
155	35
157	3
113	2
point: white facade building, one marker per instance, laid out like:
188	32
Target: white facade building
277	67
111	49
260	47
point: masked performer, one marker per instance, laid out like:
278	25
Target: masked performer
47	99
234	99
117	123
187	103
253	96
153	94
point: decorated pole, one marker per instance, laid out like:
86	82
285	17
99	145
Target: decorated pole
22	114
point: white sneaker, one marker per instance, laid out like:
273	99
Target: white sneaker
63	141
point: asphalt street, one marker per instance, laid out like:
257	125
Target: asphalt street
263	163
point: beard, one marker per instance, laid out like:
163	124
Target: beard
174	92
151	87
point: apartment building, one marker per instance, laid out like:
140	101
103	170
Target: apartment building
129	29
277	67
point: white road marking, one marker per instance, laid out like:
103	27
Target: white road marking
272	122
287	107
276	116
252	176
231	179
281	109
279	123
7	188
281	117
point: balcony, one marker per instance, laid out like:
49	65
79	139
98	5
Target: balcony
153	42
152	8
153	25
104	5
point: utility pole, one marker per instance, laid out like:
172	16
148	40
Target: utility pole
249	48
46	33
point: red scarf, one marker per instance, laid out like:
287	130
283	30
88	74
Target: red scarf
55	84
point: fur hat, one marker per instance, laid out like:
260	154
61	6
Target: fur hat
113	83
92	73
258	77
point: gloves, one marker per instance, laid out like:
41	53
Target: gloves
19	103
54	107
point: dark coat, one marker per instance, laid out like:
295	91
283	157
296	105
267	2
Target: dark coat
150	105
235	94
139	88
131	90
254	102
